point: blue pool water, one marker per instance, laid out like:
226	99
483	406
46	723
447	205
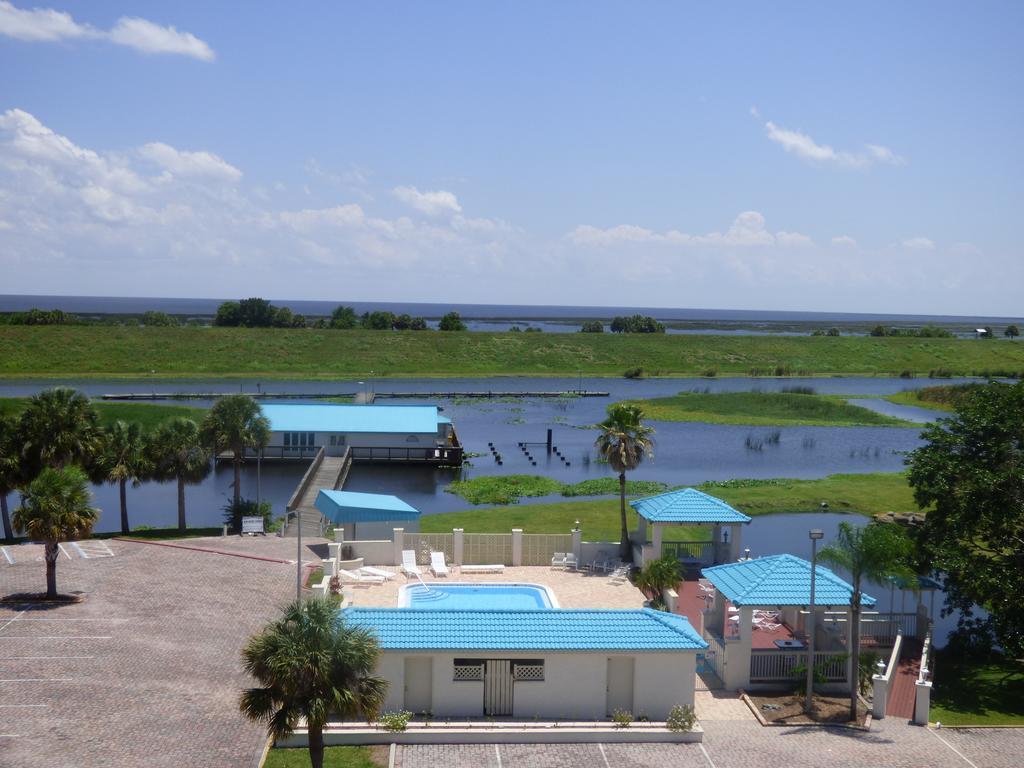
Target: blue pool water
449	597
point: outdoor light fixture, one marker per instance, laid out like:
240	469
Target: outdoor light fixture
815	535
577	526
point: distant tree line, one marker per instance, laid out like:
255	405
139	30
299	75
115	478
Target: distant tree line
592	326
39	317
260	313
924	332
636	324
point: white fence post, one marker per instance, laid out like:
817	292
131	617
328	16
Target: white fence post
517	546
457	545
329	566
671	598
881	696
922	701
398	540
577	544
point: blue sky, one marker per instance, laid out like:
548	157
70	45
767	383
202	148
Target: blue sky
815	156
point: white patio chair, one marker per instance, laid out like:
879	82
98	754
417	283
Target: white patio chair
558	560
377	572
437	564
620	575
706	586
571	561
409	567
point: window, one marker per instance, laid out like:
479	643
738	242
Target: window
311	437
302	439
334	439
287	439
528	670
468	670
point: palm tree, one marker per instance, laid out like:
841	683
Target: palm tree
235	423
122	458
309	665
623	443
58	427
875	552
55	508
10	468
659	575
176	452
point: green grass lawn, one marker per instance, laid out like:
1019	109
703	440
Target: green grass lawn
971	692
334	757
508	489
309	353
149	415
764	409
858	494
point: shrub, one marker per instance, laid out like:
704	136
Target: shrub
709	373
452	322
799	390
634	373
622	718
592	326
395	722
681	718
246	508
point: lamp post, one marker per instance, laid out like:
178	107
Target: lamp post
816	534
298	553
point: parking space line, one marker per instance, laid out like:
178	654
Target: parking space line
707	757
10	735
55	637
64	551
42	658
7	555
36	680
497	752
11	620
955	750
604	757
24	706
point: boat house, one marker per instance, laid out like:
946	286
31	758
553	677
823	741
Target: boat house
383	433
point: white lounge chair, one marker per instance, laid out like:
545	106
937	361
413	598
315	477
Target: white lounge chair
359	578
409	567
558	560
494	568
377	572
437	564
571	561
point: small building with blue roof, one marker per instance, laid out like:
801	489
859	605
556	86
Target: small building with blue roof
559	664
690	507
380	433
367	516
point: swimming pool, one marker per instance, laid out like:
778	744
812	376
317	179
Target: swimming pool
475	597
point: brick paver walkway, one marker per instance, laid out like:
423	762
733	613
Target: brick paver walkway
146	671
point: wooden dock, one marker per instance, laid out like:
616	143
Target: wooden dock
357	396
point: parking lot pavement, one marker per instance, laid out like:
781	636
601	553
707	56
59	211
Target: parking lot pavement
146	671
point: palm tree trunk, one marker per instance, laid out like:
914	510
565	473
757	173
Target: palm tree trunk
124	507
50	553
855	648
316	746
6	514
625	548
238	479
181	503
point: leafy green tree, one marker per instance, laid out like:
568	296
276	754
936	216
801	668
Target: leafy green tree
592	326
659	575
56	508
418	324
833	331
309	664
229	314
623	443
153	319
403	322
452	322
636	324
236	423
255	313
59	426
874	552
10	468
986	333
969	474
344	318
879	330
176	453
1011	332
283	318
378	321
122	459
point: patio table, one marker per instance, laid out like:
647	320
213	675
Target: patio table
793	644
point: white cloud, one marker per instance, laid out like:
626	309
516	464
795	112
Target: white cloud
747	230
430	203
918	243
148	37
844	241
189	164
802	145
48	25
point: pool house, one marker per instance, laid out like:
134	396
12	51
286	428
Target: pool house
687	507
366	515
379	433
552	664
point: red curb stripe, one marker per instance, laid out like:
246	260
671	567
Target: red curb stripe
200	549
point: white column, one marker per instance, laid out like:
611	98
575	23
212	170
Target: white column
641	530
398	544
656	532
922	701
457	545
881	696
517	546
577	545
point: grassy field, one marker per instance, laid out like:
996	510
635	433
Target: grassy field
764	409
508	489
95	351
149	415
334	757
939	398
860	494
970	692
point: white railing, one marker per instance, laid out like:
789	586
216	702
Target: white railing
701	551
925	671
876	627
772	666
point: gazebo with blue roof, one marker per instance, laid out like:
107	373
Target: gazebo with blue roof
687	506
764	595
367	515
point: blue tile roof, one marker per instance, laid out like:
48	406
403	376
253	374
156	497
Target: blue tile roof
780	580
528	630
687	505
402	419
352	507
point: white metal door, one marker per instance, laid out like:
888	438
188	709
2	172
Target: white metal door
418	683
498	687
620	684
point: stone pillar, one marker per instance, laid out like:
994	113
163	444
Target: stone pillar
339	533
334	548
398	544
457	545
577	545
329	564
641	530
517	546
880	687
922	701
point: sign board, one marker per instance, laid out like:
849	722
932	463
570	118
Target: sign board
252	525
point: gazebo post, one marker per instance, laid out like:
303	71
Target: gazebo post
656	533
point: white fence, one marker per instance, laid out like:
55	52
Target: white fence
715	655
539	548
425	543
487	549
769	666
